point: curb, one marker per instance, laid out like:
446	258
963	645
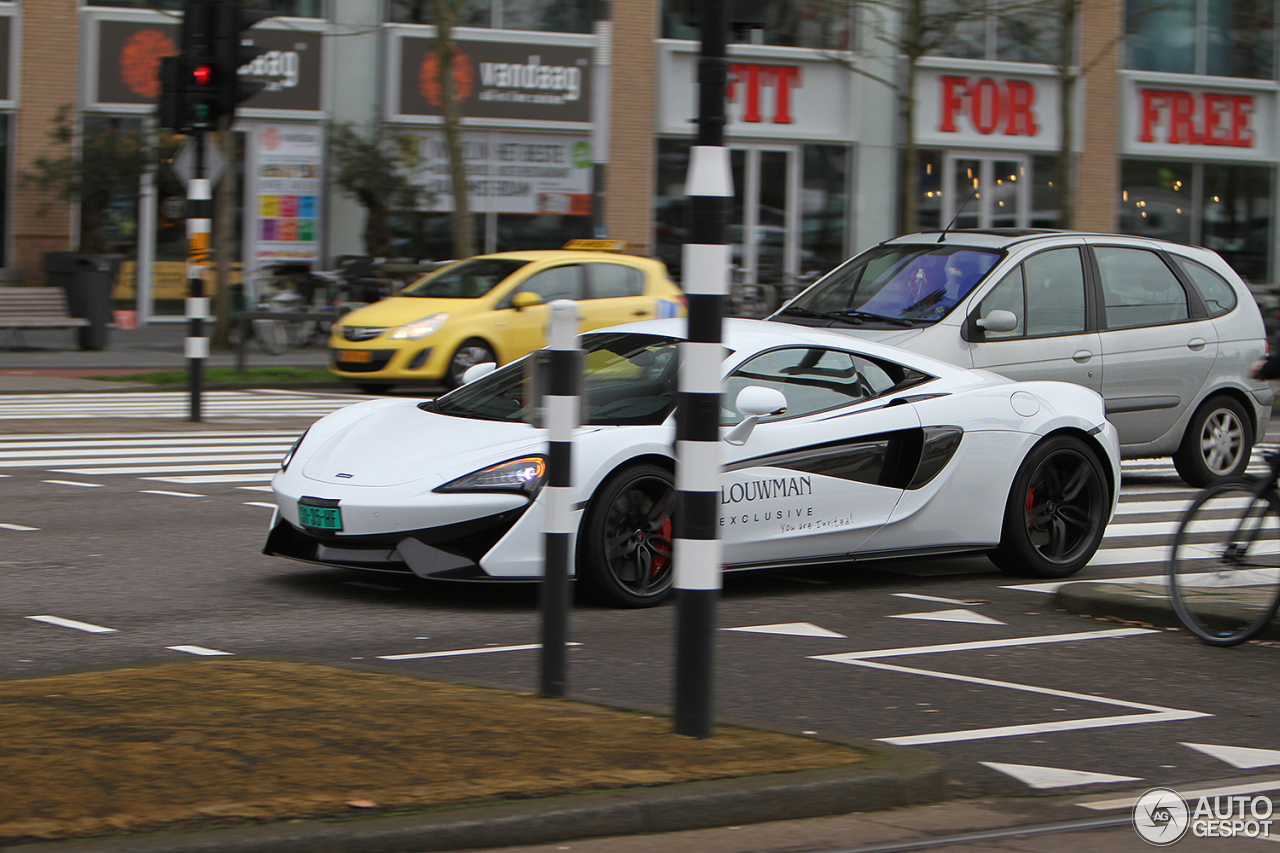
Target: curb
895	777
1140	603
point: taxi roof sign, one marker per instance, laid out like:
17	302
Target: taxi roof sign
598	245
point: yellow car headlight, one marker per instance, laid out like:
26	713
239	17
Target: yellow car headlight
419	329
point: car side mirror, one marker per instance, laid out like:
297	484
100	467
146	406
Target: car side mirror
999	320
755	402
478	371
525	299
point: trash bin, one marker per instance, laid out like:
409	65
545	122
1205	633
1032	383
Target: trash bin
87	280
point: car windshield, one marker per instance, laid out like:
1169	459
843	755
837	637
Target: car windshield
895	285
469	279
628	379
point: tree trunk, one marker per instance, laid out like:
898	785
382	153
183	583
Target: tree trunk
464	239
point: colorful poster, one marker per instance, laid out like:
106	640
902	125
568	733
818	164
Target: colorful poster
288	180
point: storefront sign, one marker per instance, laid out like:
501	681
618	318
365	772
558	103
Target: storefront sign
292	67
772	93
1173	117
512	172
285	190
129	54
498	80
984	107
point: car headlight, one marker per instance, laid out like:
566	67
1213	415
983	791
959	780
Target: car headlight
288	456
419	329
523	476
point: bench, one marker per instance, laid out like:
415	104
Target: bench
36	308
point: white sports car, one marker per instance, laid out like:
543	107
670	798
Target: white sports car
840	449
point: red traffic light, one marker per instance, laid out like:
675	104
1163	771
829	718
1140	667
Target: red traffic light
202	74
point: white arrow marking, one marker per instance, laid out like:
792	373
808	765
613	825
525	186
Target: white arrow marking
935	598
197	650
959	615
71	623
791	629
1053	777
1243	757
17	527
488	650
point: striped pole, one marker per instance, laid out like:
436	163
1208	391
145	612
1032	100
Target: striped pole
561	407
706	284
199	218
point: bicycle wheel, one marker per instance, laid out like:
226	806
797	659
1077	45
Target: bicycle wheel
271	335
1224	569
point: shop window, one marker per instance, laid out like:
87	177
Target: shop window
283	8
822	24
561	16
1223	38
1045	198
1008	32
1138	289
520	231
929	203
1156	200
822	214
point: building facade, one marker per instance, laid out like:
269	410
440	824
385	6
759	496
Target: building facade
1164	110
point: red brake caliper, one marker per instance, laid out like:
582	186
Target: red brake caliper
1031	499
659	560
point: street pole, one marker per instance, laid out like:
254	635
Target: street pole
706	284
199	212
563	379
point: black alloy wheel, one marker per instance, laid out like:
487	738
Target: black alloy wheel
624	557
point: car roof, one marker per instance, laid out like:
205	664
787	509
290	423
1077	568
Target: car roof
745	336
535	255
1005	238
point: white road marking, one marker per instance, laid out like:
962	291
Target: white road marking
255	488
71	623
172	494
459	652
259	503
1220	791
791	629
1042	778
849	657
54	439
271	465
195	479
1243	757
197	650
60	456
918	597
17	527
960	615
74	483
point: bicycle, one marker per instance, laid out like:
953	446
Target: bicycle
1226	588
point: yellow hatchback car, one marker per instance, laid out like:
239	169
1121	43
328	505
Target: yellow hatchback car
493	308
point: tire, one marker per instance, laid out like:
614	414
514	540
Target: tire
1224	567
1217	444
1056	511
373	387
624	550
470	352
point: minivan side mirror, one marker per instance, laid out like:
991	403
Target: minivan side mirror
999	320
756	402
525	299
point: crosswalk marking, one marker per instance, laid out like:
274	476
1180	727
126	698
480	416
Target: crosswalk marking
258	403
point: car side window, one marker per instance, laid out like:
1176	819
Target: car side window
813	379
1045	292
1139	289
610	281
1219	296
1009	295
556	283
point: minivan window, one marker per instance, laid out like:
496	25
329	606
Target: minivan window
1138	288
1219	297
1046	294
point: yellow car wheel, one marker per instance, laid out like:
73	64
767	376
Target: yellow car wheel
470	352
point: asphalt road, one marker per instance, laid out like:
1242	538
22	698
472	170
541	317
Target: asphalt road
1034	703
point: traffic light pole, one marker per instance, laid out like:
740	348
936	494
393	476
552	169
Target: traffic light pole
199	217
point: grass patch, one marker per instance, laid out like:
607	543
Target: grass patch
230	374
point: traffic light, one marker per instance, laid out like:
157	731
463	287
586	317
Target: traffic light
229	55
187	93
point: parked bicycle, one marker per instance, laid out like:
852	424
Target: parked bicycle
296	289
1224	568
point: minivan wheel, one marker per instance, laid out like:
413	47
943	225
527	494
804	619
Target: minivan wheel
1217	444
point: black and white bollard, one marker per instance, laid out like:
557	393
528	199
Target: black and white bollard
199	221
561	408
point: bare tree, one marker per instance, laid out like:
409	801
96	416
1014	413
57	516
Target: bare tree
445	13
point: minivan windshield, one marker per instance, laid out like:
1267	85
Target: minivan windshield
628	378
907	285
468	279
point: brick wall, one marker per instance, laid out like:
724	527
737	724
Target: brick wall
49	51
629	175
1098	167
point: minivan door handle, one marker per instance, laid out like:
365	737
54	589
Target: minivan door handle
1081	356
1196	344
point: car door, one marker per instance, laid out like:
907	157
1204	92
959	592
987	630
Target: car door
1054	337
810	482
519	331
1156	350
614	294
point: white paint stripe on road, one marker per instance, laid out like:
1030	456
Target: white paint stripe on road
197	650
251	460
255	488
73	450
19	527
194	479
932	598
908	651
171	494
171	469
1220	791
74	483
71	623
260	503
54	439
459	652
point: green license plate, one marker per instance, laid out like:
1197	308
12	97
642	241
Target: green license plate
320	517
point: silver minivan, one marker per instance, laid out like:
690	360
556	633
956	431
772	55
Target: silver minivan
1164	332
